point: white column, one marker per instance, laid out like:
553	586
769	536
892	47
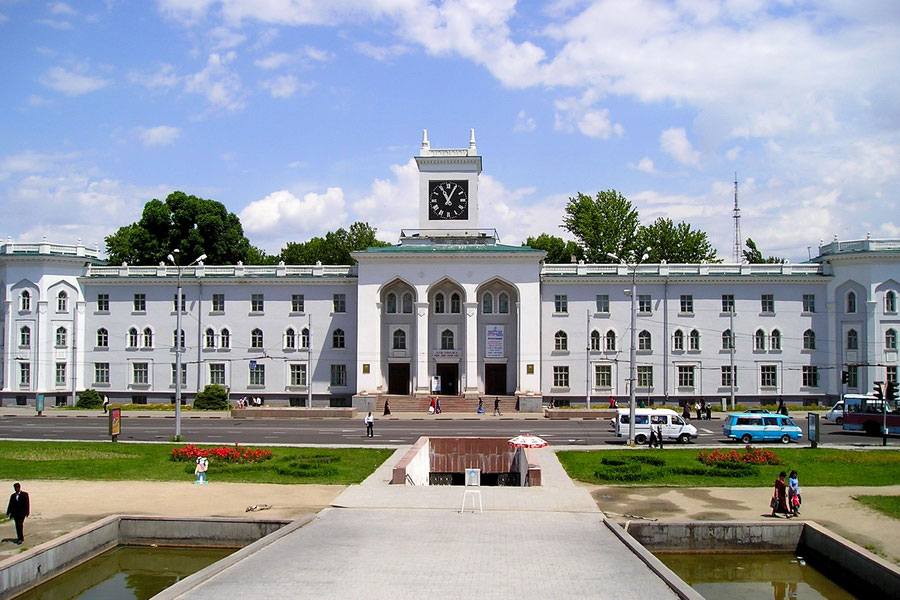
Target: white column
873	344
833	354
471	309
422	349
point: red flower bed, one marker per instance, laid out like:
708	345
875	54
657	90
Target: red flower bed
750	456
229	454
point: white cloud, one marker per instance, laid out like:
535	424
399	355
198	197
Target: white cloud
220	86
54	24
381	52
645	165
274	60
286	86
72	82
31	162
223	38
301	57
579	113
61	8
674	142
733	152
391	204
524	123
161	135
282	216
164	77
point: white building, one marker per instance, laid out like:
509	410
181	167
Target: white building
449	301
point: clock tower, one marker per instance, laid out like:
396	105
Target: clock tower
448	186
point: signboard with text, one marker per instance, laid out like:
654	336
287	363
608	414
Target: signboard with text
115	422
493	345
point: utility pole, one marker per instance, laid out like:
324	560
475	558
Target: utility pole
587	360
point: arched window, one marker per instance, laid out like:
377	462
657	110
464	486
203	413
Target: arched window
503	303
25	336
407	303
595	341
133	337
290	339
61	336
337	338
775	340
256	338
487	303
890	302
304	338
25	300
727	340
391	303
455	304
399	340
148	337
439	303
610	341
176	339
678	340
809	340
447	340
759	340
225	339
561	341
694	340
890	339
851	302
102	338
209	340
852	340
62	302
645	341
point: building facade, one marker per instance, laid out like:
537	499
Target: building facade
449	310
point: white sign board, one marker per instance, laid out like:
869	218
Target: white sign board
493	345
436	384
473	477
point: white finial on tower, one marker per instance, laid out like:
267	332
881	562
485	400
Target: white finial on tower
472	150
426	145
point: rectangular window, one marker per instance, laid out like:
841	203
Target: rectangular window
767	303
102	302
183	374
644	376
140	373
140	303
727	376
809	303
101	372
24	373
768	376
339	375
560	377
644	303
603	303
258	374
810	376
218	302
217	373
175	302
339	303
685	376
687	303
257	303
727	303
298	375
852	376
603	376
891	374
297	303
561	304
60	374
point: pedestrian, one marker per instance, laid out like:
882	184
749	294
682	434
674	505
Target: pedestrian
686	411
432	406
779	502
612	402
659	436
105	404
642	404
370	425
18	508
709	411
654	440
387	408
794	493
699	408
480	409
200	470
497	406
437	406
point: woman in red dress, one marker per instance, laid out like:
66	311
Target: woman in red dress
779	499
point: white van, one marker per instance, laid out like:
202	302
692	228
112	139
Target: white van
836	414
672	425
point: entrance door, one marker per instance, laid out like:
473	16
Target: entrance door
449	374
495	379
398	378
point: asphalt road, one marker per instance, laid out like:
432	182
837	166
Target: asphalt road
346	431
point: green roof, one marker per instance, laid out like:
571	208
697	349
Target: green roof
450	248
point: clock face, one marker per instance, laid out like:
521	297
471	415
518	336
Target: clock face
448	200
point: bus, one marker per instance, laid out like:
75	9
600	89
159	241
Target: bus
867	413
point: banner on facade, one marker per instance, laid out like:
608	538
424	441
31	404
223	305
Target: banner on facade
493	345
447	354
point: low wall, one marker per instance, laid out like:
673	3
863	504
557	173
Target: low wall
716	536
415	463
575	413
293	413
455	455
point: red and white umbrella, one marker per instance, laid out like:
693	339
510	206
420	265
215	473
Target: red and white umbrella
527	441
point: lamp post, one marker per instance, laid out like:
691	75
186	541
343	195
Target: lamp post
179	306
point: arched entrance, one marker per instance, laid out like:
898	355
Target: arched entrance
497	337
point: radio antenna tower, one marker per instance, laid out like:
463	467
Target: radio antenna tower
736	214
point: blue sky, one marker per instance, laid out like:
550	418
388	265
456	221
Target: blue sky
303	116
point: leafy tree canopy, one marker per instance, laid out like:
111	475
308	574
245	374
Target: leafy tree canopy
753	255
675	243
334	248
258	256
193	225
559	251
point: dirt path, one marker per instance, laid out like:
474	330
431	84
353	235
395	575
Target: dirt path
58	507
832	507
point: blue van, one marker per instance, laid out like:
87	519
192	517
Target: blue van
756	427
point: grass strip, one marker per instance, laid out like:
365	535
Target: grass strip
106	461
886	505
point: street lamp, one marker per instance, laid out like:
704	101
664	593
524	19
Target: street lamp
179	306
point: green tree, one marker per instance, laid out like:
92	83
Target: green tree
213	397
89	399
675	243
258	256
334	248
753	255
193	225
603	225
559	251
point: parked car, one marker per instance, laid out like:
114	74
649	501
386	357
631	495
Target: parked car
748	427
672	425
758	411
836	414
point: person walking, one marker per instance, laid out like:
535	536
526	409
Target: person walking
794	493
779	502
497	406
480	409
659	436
18	508
105	404
698	406
387	408
654	440
370	425
686	411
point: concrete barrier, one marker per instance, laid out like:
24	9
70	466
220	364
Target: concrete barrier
576	413
294	413
415	464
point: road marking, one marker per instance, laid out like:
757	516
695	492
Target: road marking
705	430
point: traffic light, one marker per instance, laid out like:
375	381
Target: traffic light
845	377
878	390
890	390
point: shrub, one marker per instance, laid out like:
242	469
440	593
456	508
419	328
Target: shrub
226	454
750	456
89	399
213	397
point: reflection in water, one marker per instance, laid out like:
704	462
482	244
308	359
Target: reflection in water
126	573
753	577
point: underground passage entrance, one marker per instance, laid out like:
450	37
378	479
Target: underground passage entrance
443	461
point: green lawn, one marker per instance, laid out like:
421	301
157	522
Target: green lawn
888	505
680	467
107	461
